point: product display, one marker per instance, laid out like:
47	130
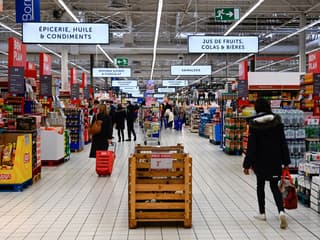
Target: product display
74	123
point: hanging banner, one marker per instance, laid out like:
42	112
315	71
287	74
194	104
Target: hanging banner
17	53
222	44
243	70
46	85
65	33
30	70
16	80
45	64
75	86
314	62
27	11
150	86
84	86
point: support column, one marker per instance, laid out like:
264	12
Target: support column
302	44
65	85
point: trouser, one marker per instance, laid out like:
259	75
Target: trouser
274	189
131	130
120	134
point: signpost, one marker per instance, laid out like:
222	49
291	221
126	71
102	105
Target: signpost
226	14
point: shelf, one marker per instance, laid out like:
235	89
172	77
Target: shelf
312	139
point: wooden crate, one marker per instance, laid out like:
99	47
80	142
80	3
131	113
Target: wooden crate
157	195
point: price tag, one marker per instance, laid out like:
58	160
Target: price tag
161	161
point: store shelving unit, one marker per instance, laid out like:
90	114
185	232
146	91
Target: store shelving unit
74	123
195	119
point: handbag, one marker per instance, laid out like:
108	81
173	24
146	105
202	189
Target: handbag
95	128
288	190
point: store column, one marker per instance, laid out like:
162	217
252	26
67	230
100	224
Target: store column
64	70
302	45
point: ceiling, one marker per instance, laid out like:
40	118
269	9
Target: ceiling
132	30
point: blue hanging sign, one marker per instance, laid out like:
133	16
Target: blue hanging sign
27	11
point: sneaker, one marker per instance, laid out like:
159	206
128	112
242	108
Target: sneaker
261	217
283	220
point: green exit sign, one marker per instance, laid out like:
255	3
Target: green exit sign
122	61
226	14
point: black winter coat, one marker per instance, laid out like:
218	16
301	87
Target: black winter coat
100	140
119	119
267	148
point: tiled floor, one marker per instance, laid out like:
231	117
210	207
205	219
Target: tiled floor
72	202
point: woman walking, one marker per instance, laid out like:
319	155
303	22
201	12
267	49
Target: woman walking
101	140
120	116
267	153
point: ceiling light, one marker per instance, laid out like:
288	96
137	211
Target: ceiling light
243	17
108	57
61	2
156	35
10	29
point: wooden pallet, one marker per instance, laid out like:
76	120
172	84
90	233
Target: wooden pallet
15	187
160	195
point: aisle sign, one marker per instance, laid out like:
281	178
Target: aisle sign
175	83
159	95
226	14
222	44
27	11
129	88
191	70
65	33
111	72
166	90
124	83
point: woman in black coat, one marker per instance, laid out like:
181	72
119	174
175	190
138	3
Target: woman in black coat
101	140
267	153
119	118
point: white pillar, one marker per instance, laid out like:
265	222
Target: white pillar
302	45
65	85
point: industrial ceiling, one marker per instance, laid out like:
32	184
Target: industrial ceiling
132	32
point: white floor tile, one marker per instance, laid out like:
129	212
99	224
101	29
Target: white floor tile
71	202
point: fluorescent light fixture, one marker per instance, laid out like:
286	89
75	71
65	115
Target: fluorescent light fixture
156	35
108	57
10	29
198	59
61	2
49	50
243	17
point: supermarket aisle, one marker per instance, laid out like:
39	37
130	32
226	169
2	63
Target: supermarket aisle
71	202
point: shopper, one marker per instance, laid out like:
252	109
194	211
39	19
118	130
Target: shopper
170	116
130	121
119	118
267	153
101	140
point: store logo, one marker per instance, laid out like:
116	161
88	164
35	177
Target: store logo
27	11
26	158
5	176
